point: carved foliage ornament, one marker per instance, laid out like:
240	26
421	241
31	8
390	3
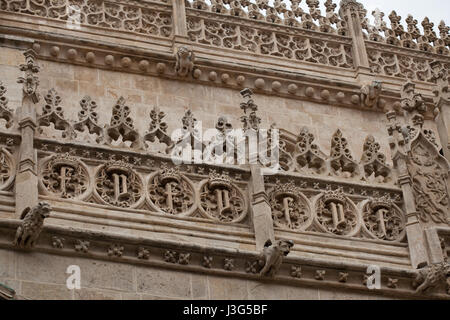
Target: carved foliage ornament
52	112
374	162
290	208
64	176
7	169
342	161
336	214
171	192
429	173
309	157
88	119
222	200
118	184
29	80
121	127
5	112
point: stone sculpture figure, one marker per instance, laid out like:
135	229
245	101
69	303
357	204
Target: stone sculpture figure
272	256
185	61
32	225
431	276
370	94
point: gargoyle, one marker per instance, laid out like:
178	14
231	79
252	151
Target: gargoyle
431	276
370	94
272	256
32	224
185	61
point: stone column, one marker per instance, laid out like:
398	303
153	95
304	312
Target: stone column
414	232
26	194
261	211
353	13
179	23
442	105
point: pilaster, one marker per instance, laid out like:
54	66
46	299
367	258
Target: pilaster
414	232
179	23
353	12
261	211
26	194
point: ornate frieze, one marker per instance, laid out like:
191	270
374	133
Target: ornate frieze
336	213
116	183
64	176
222	200
290	208
171	192
383	220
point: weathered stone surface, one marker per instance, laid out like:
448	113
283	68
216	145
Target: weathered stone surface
45	291
221	288
163	283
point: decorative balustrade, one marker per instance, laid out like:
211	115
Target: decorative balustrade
394	51
272	30
138	16
283	29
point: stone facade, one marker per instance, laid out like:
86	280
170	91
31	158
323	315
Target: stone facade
90	94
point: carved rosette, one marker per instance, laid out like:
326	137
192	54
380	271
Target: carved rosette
171	192
222	200
383	220
118	184
64	176
7	169
290	208
336	213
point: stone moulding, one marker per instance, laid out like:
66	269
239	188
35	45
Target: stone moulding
230	75
191	259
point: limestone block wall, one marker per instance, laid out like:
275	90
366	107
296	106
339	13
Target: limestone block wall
43	276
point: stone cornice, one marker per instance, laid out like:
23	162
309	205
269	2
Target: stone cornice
65	241
209	71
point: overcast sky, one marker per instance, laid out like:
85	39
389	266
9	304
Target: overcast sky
436	10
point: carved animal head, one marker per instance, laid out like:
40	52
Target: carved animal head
284	246
184	52
43	209
377	85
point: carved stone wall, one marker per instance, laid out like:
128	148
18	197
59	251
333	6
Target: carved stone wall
86	122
